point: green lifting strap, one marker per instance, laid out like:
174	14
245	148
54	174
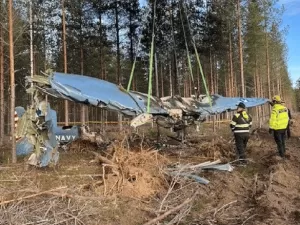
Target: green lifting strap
133	67
198	58
186	46
151	60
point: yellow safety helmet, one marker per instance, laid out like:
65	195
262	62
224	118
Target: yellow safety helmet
276	98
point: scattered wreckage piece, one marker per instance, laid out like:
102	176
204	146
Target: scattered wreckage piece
192	171
35	135
38	135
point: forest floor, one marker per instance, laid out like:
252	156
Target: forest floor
136	188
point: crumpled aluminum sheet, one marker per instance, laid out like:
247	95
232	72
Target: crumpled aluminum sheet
50	153
219	104
101	93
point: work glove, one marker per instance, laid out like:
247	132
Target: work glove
271	131
270	103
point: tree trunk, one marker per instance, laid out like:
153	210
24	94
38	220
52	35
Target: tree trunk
225	87
101	64
198	82
211	73
232	88
268	66
100	44
119	78
131	30
241	48
82	107
156	76
175	84
191	86
216	80
2	111
12	80
278	83
31	48
162	79
170	77
65	58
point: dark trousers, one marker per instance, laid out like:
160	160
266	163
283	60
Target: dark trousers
241	140
288	131
280	137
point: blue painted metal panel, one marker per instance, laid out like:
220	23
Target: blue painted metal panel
100	93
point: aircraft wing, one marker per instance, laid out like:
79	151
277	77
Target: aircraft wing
96	92
103	94
222	104
215	105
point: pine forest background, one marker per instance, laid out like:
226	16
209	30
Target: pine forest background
241	44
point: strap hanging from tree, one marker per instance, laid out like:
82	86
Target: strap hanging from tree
186	45
133	67
151	60
136	52
197	56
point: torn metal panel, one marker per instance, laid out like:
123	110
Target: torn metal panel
37	137
222	104
96	92
223	167
196	178
20	111
219	104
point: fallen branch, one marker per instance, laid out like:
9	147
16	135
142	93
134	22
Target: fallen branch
32	196
249	218
270	181
9	181
103	159
255	185
230	203
175	209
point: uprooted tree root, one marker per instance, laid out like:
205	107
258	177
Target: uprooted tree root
130	173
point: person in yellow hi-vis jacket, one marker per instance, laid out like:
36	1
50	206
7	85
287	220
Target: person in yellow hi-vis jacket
278	124
240	125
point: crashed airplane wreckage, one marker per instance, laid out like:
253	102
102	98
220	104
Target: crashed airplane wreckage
38	133
100	93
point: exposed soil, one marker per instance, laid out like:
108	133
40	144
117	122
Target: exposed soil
265	192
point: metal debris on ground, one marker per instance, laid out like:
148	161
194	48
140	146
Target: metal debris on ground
193	171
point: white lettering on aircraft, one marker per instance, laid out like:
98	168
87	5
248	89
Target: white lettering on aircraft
65	137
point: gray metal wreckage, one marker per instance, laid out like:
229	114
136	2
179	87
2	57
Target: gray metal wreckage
100	93
42	140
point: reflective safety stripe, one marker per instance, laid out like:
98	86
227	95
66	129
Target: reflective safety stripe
279	118
241	131
233	123
242	125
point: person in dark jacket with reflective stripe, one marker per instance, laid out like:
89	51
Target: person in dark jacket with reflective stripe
240	125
